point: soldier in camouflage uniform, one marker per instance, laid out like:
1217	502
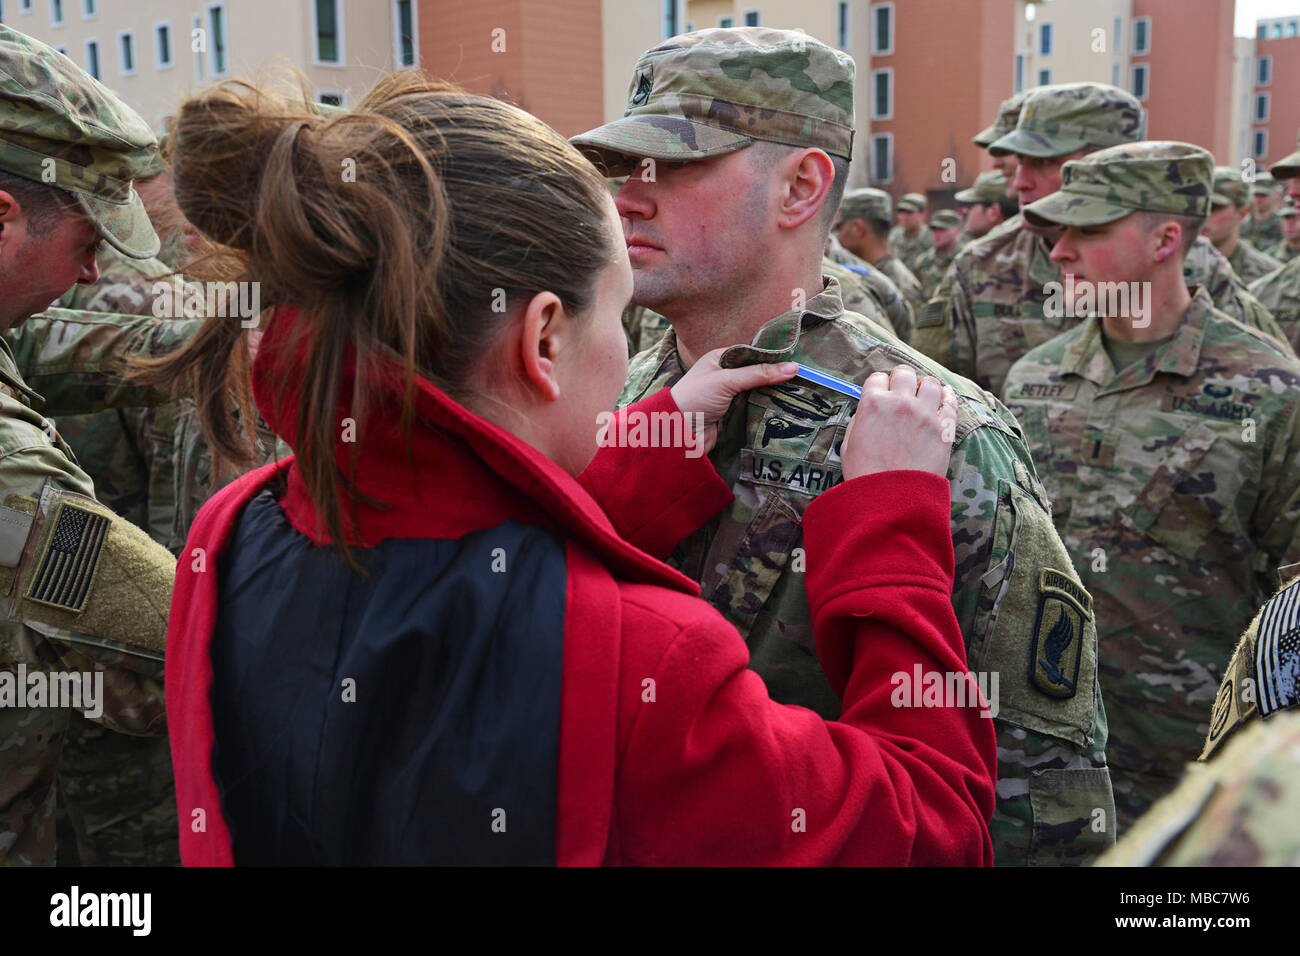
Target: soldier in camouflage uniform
85	589
1280	291
1168	436
1231	204
1289	247
988	204
777	447
1240	804
945	226
1008	116
869	292
862	227
909	238
1261	227
988	311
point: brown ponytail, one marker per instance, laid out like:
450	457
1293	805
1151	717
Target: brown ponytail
458	201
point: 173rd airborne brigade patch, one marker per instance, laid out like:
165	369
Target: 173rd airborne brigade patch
1064	609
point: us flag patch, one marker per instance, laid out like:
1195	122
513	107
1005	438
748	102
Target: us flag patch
1277	653
66	568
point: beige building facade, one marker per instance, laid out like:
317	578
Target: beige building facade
154	53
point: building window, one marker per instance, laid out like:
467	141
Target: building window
1264	74
162	45
1241	144
1277	31
196	31
56	13
1140	81
1290	28
1045	40
327	17
726	22
1142	35
1261	107
882	29
126	52
1263	33
217	38
1020	73
25	6
88	9
669	17
842	24
330	99
92	58
1044	77
1117	38
1114	74
882	94
404	23
882	158
751	18
1261	143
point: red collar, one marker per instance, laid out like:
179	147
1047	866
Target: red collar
460	473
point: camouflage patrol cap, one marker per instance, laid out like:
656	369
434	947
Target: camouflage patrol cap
1264	185
866	203
1057	120
60	126
945	219
1229	187
1289	210
1008	114
912	202
1286	168
1177	178
715	91
990	186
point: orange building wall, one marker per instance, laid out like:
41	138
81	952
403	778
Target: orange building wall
551	66
953	65
1284	105
1190	71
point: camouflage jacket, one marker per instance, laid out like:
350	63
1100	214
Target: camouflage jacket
642	328
778	449
1282	252
904	279
1251	264
989	310
1175	485
1262	233
1279	292
932	266
869	292
910	248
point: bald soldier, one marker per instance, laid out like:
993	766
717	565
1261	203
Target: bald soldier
86	593
862	227
1230	204
945	226
909	238
1168	436
989	310
739	185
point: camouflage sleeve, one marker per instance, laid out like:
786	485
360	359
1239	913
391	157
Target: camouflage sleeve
1032	639
1276	521
1257	316
945	327
74	359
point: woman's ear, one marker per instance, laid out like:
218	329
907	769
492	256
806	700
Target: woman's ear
545	331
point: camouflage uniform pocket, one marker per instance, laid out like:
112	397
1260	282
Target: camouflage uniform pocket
1035	624
933	333
758	561
1038	438
1074	816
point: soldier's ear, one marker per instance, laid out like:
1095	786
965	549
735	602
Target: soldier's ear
10	212
805	188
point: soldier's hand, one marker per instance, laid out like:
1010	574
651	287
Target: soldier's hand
707	389
900	425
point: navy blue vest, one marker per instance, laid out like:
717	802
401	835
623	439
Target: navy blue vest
408	716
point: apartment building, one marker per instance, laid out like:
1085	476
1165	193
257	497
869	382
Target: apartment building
1275	101
154	53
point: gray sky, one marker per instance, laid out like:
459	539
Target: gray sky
1248	11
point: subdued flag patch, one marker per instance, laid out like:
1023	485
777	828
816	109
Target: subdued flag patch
65	567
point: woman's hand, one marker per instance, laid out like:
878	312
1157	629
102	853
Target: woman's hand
705	392
900	425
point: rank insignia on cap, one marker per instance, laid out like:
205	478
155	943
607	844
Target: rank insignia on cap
643	87
1064	609
65	567
1277	653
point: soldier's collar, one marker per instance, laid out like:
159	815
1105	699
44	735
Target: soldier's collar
1181	355
10	376
778	339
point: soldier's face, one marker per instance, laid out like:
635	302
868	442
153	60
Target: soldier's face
1037	177
1291	228
1006	164
39	265
1221	223
981	218
1293	189
945	238
1116	252
1262	202
693	230
910	221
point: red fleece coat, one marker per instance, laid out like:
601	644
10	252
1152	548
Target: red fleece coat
670	750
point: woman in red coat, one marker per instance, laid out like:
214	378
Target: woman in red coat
419	639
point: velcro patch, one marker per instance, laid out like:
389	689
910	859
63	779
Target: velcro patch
1277	653
14	528
69	558
1062	391
932	313
1064	608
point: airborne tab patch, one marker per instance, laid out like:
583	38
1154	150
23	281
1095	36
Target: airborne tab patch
1064	608
66	564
